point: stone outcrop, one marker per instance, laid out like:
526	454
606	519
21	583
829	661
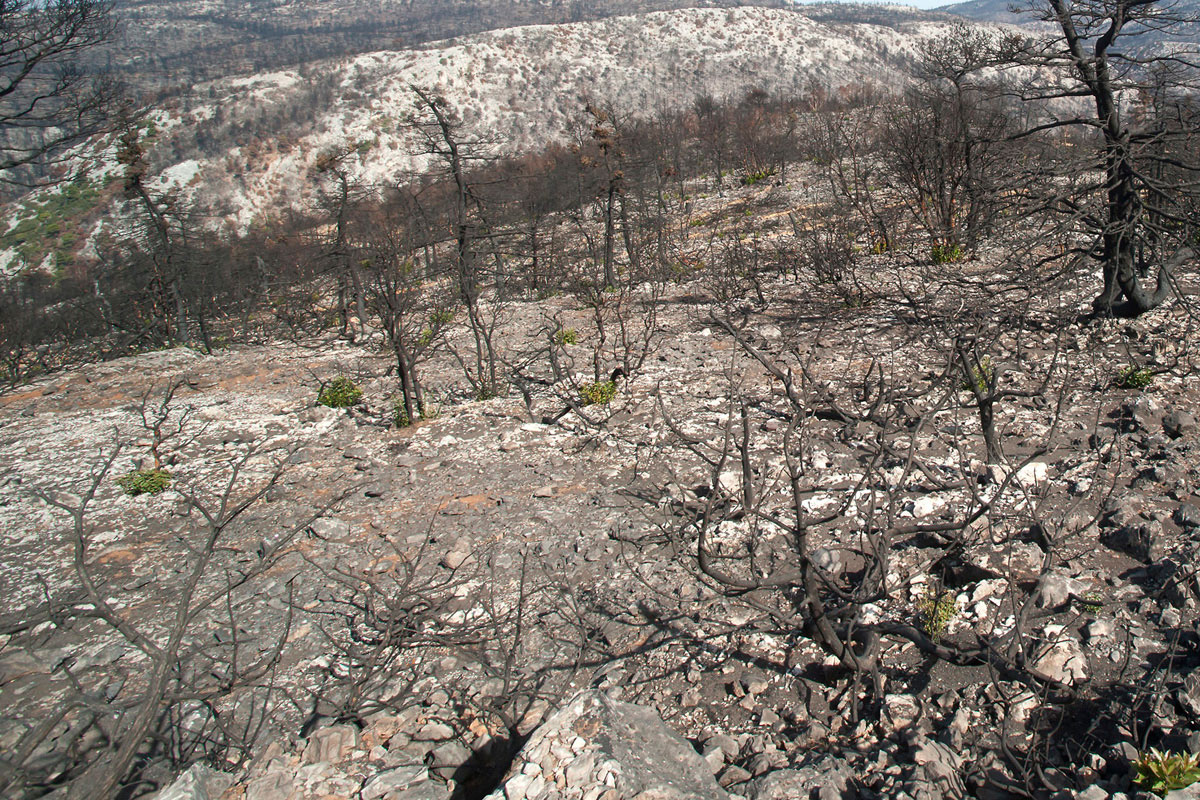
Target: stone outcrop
596	748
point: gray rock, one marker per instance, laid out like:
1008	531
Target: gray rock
1179	578
1142	539
1145	413
1099	630
330	528
1188	793
388	783
1063	661
728	745
330	744
1188	515
649	759
825	778
1093	792
942	767
275	784
434	732
901	710
1180	424
1055	590
448	757
1188	695
198	783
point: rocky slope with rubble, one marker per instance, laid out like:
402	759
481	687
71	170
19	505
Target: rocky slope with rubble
429	599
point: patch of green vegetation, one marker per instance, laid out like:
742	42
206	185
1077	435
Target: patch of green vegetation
1133	377
487	392
1092	603
758	177
982	377
946	253
935	611
400	416
1162	771
341	392
49	223
144	481
599	393
566	336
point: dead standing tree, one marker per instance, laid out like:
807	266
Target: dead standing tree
337	202
1137	168
439	130
194	651
821	557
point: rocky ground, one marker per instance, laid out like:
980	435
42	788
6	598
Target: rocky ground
396	612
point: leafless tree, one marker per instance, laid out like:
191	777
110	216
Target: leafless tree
49	99
439	128
1127	186
100	742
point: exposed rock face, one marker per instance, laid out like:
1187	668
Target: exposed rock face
198	783
595	747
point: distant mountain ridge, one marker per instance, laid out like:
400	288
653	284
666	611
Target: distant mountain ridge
172	43
245	147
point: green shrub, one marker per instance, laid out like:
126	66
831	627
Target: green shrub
982	376
599	393
759	176
566	336
487	391
935	611
946	253
144	481
1161	771
400	416
1092	603
341	392
1132	377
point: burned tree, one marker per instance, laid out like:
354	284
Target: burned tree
1129	194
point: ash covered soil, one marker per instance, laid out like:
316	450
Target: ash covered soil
396	610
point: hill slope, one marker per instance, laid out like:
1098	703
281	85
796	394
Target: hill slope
243	145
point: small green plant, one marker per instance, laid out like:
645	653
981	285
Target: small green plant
341	392
566	336
982	377
1092	603
400	416
1132	377
759	176
935	610
487	391
946	253
599	393
144	481
1162	771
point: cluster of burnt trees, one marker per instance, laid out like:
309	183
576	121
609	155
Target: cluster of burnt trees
1087	149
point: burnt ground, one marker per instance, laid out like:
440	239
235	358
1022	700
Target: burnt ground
473	569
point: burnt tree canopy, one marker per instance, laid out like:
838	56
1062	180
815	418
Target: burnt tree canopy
49	99
1116	81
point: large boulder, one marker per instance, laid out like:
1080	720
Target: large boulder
624	749
198	783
